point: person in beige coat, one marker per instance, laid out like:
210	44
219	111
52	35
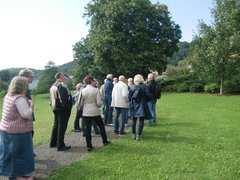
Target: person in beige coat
91	102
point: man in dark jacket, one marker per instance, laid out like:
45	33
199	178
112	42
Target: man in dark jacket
61	103
108	87
152	103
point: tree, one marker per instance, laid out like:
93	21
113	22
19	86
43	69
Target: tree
181	54
47	77
213	47
84	61
127	37
5	75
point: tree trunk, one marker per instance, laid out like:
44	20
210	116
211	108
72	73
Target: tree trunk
221	84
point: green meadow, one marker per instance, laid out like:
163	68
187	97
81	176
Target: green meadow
196	137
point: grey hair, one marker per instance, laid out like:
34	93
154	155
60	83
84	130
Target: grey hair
109	76
79	86
25	73
17	85
121	78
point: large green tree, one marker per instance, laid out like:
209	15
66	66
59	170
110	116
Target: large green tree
126	37
215	45
47	77
84	61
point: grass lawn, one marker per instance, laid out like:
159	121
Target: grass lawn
197	137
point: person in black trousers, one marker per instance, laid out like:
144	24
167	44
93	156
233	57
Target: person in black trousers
91	102
61	103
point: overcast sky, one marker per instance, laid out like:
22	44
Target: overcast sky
35	31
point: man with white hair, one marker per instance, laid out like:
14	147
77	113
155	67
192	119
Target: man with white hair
120	104
108	87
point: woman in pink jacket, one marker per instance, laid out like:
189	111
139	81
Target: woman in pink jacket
16	126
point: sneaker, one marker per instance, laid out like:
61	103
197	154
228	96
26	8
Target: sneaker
134	136
111	124
138	137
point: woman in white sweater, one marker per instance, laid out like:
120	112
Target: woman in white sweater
91	102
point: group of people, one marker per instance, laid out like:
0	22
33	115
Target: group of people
130	98
123	99
88	103
133	99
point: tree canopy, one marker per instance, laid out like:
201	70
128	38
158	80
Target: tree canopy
181	54
126	37
214	46
47	77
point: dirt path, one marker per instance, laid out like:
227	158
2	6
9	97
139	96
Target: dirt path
49	159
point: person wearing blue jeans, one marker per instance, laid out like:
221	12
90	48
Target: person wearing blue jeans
139	95
119	123
152	103
120	104
140	126
108	87
152	109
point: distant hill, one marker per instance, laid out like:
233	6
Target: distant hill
15	71
65	68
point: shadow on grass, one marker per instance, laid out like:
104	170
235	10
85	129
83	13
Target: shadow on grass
170	135
180	123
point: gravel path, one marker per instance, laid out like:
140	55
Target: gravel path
49	159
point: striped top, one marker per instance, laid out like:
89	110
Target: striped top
16	115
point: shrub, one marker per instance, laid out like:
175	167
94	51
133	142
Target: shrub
3	86
170	88
196	87
211	88
183	87
232	87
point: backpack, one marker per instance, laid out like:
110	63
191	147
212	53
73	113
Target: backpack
158	91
